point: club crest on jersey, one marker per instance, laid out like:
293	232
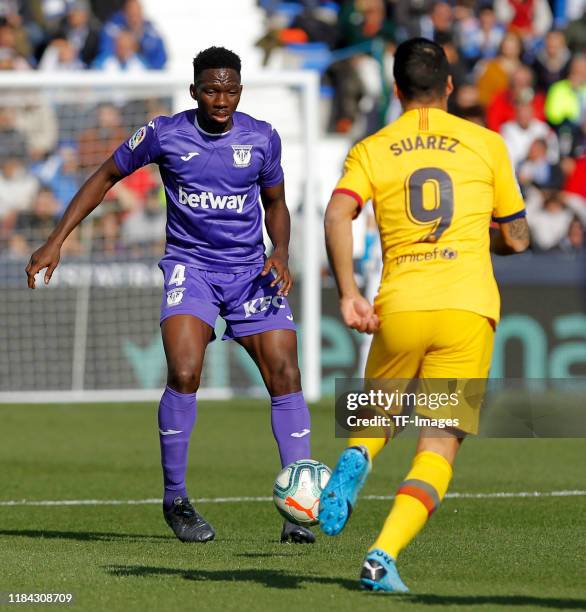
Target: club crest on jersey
242	155
137	138
174	296
448	253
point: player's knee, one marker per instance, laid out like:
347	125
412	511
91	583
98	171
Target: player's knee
184	379
285	378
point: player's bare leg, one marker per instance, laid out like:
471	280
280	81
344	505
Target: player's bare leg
275	354
418	496
185	339
441	441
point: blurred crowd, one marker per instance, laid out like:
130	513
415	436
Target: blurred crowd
48	147
56	35
518	68
39	175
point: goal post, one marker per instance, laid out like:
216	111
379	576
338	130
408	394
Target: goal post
92	334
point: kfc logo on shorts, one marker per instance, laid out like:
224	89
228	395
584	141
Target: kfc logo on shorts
174	296
261	304
242	155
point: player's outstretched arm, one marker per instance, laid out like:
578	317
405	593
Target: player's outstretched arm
278	224
510	238
92	192
356	310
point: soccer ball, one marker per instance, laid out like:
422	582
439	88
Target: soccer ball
297	490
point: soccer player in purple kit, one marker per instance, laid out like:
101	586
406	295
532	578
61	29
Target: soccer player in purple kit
214	163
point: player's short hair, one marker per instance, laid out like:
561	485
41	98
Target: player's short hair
421	69
215	57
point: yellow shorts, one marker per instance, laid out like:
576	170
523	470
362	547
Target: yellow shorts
438	344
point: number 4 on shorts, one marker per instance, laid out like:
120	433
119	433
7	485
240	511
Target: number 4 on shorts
178	275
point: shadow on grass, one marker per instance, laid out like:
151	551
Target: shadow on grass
279	579
84	536
275	579
506	601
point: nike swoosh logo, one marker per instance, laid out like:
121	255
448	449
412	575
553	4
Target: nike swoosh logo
290	317
189	156
170	432
300	434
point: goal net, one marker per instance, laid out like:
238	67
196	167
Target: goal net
93	333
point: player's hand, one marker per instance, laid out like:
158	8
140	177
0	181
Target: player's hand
358	313
280	263
46	257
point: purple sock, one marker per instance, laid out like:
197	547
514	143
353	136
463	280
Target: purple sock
291	427
176	419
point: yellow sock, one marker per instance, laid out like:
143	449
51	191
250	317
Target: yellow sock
374	445
418	497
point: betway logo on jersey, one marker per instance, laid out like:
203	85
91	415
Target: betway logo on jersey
208	199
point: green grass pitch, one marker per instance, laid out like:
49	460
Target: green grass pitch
475	554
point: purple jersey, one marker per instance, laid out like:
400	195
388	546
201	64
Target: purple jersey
212	186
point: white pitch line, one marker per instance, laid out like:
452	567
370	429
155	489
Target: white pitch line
234	500
497	495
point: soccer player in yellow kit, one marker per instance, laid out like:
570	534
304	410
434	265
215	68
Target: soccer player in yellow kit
436	182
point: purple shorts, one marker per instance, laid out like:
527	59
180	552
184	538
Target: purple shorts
245	300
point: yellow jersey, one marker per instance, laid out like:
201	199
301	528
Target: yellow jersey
435	181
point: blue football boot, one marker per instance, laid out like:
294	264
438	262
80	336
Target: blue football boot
339	496
379	573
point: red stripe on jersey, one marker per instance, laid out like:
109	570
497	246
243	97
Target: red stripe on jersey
423	119
352	194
